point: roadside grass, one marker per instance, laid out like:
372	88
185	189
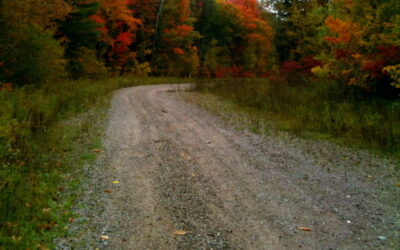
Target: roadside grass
47	133
321	110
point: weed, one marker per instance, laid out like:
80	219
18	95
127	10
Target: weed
321	109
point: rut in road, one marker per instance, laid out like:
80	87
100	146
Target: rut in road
179	168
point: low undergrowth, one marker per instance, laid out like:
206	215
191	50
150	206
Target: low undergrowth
47	133
317	109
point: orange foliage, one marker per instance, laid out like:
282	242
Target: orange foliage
146	11
98	19
184	30
102	23
8	87
178	51
119	31
346	31
125	38
247	7
184	10
118	11
120	49
179	31
248	13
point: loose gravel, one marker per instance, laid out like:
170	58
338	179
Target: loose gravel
169	165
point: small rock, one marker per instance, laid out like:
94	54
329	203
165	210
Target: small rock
381	238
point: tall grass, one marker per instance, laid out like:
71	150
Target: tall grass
324	107
35	154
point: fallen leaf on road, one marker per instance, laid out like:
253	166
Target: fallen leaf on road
108	191
104	237
185	156
305	229
181	232
164	111
97	150
115	182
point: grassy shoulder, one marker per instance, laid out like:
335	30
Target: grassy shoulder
47	134
308	110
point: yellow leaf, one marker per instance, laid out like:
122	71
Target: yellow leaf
115	182
104	237
181	232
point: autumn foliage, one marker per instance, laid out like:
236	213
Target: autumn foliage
345	32
349	41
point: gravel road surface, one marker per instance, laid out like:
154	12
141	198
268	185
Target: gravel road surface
177	167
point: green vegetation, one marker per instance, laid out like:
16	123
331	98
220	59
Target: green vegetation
316	108
40	156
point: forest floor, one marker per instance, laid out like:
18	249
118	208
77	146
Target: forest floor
168	165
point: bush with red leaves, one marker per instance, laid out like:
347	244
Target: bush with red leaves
235	72
385	56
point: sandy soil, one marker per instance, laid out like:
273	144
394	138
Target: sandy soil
181	168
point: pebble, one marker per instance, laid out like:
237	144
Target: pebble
381	238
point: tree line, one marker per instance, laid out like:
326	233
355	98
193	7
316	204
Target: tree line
355	42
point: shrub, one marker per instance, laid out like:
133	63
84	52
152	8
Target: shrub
87	65
30	55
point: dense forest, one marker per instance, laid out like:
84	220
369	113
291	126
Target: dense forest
352	41
325	66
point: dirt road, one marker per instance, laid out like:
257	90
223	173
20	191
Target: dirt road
180	168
